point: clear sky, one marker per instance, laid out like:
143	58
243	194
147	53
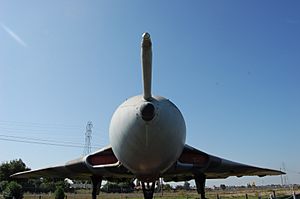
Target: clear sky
232	68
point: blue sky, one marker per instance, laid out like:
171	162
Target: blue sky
232	68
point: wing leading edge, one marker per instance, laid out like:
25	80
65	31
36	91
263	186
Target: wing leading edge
100	163
192	164
193	161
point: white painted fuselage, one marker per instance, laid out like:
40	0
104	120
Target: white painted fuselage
147	148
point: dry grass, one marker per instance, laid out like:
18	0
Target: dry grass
227	194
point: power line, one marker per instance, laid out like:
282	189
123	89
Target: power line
41	128
44	143
9	129
62	135
22	129
63	138
36	124
38	139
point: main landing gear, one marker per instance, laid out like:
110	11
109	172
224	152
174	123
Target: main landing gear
96	181
148	188
200	184
200	179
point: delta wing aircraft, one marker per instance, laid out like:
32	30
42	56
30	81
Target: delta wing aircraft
147	141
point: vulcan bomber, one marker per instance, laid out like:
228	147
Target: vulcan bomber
147	136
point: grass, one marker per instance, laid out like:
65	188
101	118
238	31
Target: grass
226	194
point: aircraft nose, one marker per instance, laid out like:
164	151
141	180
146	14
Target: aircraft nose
146	35
147	111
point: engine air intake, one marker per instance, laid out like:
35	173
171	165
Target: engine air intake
147	112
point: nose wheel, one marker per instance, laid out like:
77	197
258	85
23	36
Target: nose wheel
148	190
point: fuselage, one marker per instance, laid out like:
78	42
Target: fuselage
147	136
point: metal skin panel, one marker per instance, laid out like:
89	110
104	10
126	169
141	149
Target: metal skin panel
147	148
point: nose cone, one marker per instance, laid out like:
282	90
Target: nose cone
146	35
146	41
147	112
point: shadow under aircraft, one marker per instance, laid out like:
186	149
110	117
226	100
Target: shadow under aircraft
147	141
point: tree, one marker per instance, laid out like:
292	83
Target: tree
31	185
223	186
186	185
179	187
46	187
3	185
13	190
11	167
59	193
122	187
168	187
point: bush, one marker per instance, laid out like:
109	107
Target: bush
11	167
3	185
113	187
13	190
59	193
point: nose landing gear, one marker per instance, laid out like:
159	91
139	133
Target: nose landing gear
148	190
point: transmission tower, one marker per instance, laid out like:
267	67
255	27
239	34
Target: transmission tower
285	179
88	138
